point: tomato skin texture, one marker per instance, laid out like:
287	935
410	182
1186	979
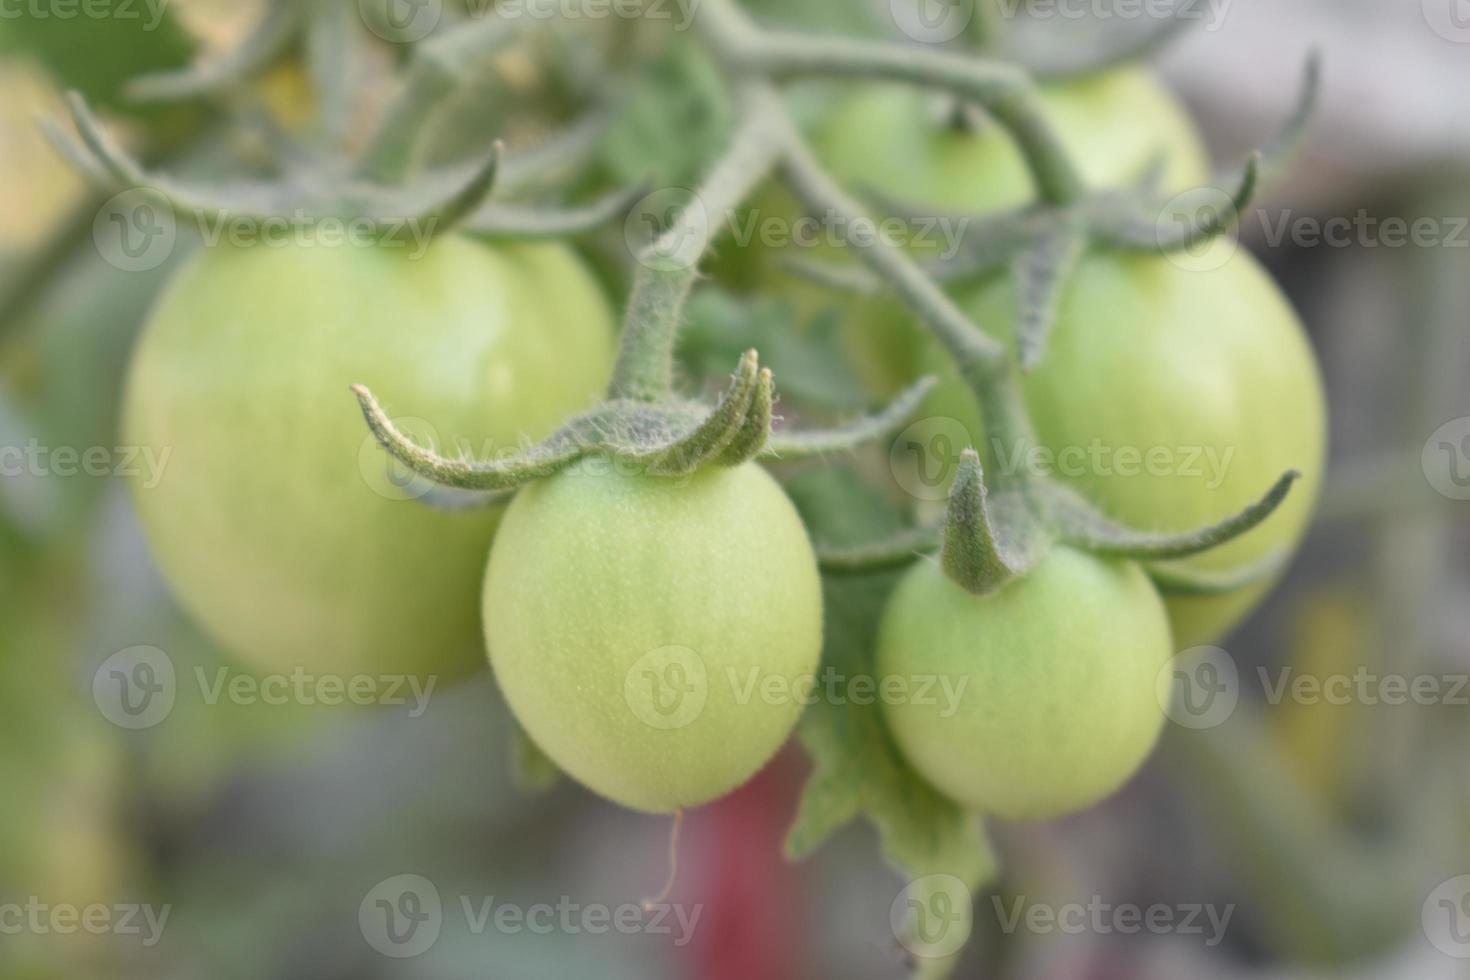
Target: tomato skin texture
596	568
1150	355
1059	668
274	522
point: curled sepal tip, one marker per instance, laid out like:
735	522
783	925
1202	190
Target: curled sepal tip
715	438
526	221
984	546
1077	523
1173	231
1172	579
541	460
1279	151
817	442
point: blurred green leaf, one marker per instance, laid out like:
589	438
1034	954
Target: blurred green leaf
857	767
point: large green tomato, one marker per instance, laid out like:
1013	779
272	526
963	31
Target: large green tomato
656	637
1173	393
273	516
1055	677
897	140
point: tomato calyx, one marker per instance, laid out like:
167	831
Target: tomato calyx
668	438
986	540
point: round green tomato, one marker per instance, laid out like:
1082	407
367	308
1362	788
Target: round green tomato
897	140
1173	392
1054	676
652	634
274	517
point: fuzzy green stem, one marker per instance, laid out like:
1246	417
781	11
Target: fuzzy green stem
670	266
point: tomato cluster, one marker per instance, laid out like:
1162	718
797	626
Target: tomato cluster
652	633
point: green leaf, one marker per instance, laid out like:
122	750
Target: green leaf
808	359
857	769
677	119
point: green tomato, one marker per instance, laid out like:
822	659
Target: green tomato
1054	679
1179	390
275	520
652	634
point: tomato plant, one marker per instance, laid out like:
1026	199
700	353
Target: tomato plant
1054	679
1172	392
274	521
652	634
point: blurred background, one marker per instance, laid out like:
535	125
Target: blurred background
243	840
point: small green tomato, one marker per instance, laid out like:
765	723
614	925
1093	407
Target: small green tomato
653	635
1054	676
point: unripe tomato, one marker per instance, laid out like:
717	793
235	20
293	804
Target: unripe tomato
1054	675
275	521
653	635
1180	389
